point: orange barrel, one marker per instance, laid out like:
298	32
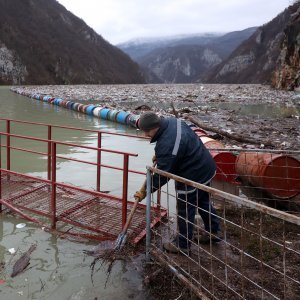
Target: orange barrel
62	103
83	108
211	143
200	132
278	175
225	162
79	107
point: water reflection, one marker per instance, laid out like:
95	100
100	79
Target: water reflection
272	111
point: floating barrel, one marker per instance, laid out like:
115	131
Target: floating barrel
96	111
57	101
104	112
278	175
225	162
70	104
79	107
133	120
122	117
83	108
75	106
112	114
66	104
211	143
200	132
89	109
128	118
45	98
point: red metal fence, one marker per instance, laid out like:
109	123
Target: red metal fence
79	211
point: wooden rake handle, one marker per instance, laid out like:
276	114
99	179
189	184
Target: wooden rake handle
133	209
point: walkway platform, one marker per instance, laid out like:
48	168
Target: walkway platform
79	212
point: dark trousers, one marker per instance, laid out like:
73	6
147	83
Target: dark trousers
187	204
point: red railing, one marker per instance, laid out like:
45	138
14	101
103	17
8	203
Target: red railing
52	157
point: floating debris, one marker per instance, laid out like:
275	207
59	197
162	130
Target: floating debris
12	250
22	262
20	225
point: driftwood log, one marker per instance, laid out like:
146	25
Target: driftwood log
22	262
235	137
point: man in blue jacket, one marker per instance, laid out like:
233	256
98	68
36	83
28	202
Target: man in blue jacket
179	151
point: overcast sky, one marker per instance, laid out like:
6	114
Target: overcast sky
122	20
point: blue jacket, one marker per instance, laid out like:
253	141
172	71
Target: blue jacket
179	151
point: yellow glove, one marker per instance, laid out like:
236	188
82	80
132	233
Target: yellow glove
141	194
154	159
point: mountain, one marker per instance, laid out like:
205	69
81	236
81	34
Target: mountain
185	59
138	48
43	43
257	58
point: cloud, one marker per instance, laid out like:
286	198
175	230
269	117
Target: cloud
121	20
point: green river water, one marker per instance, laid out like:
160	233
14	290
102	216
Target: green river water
58	268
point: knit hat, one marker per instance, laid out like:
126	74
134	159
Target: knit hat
149	120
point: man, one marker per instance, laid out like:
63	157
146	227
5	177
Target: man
179	151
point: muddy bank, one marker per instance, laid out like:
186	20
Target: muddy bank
254	111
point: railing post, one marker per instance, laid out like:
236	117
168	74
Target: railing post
148	216
8	145
49	152
0	171
53	184
125	189
99	145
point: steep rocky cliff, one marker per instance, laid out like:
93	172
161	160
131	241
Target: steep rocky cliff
256	59
43	43
287	72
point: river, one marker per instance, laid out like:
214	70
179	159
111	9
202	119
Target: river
58	268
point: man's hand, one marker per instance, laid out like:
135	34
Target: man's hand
141	194
154	159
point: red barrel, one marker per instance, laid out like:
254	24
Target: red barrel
225	162
200	132
211	143
278	175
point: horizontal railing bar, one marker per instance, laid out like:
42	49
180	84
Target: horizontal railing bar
74	159
74	128
232	198
67	144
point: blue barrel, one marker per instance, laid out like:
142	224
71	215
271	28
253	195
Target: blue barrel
57	101
112	115
104	112
45	98
69	105
122	116
96	111
89	109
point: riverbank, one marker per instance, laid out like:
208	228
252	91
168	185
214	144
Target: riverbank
253	111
